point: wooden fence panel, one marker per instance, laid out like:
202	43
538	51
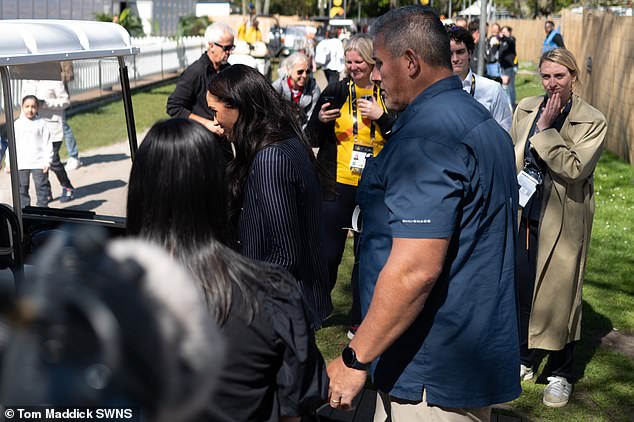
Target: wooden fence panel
529	37
607	43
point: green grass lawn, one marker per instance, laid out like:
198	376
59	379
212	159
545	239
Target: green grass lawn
605	391
106	124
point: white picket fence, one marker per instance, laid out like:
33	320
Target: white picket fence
157	55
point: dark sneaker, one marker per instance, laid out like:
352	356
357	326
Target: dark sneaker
67	195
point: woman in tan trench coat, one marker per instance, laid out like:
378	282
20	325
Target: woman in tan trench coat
558	141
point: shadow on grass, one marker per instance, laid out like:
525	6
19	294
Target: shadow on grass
594	327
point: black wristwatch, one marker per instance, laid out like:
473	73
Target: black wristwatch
350	359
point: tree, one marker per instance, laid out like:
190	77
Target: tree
127	19
193	25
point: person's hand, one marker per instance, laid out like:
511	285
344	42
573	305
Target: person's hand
549	112
506	79
214	127
328	115
369	108
7	169
45	169
345	384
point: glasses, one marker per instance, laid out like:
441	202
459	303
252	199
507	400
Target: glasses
226	48
300	72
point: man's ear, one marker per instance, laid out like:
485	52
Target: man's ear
413	63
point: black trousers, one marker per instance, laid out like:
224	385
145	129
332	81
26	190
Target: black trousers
331	75
561	361
42	187
58	167
337	214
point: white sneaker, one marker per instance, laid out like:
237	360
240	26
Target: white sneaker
526	373
557	392
72	164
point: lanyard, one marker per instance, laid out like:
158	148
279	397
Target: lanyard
352	107
472	91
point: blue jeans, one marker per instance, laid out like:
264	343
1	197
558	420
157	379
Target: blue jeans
69	139
510	72
4	144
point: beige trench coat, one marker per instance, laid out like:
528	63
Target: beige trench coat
564	231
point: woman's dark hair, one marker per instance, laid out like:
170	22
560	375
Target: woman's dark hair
177	198
163	191
265	118
30	97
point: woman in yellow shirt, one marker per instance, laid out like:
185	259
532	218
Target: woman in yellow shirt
351	124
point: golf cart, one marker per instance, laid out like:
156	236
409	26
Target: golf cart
33	49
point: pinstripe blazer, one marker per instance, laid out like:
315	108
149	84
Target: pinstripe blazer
280	221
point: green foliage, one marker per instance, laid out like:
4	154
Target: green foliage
132	23
193	25
103	17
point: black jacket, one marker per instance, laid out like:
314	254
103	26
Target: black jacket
507	52
322	135
190	95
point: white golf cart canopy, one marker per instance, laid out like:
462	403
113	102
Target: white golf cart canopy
27	41
32	49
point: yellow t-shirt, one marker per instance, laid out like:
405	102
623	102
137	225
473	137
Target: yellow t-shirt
345	138
249	34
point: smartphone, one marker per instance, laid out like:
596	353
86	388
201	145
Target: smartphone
329	99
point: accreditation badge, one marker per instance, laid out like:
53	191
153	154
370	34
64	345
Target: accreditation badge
359	155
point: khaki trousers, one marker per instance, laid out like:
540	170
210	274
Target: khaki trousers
406	411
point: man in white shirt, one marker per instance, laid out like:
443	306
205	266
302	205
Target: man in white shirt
329	54
488	92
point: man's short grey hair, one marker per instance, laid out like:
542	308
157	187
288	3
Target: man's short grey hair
216	30
418	28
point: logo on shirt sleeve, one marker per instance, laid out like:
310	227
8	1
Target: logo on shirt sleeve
416	221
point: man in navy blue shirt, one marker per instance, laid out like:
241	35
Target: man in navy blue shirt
437	268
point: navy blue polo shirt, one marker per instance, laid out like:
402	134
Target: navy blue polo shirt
448	171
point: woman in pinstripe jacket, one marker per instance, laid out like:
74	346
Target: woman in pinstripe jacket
274	194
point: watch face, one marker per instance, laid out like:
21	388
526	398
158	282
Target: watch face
348	356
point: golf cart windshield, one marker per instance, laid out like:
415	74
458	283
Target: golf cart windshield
31	57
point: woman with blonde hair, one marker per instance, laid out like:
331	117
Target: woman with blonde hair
558	140
350	122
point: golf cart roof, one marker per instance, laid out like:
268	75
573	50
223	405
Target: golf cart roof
27	41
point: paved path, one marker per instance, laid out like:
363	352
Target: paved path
100	184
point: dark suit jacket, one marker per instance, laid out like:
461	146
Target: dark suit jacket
280	220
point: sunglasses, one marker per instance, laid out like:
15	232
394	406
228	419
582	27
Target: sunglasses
226	48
